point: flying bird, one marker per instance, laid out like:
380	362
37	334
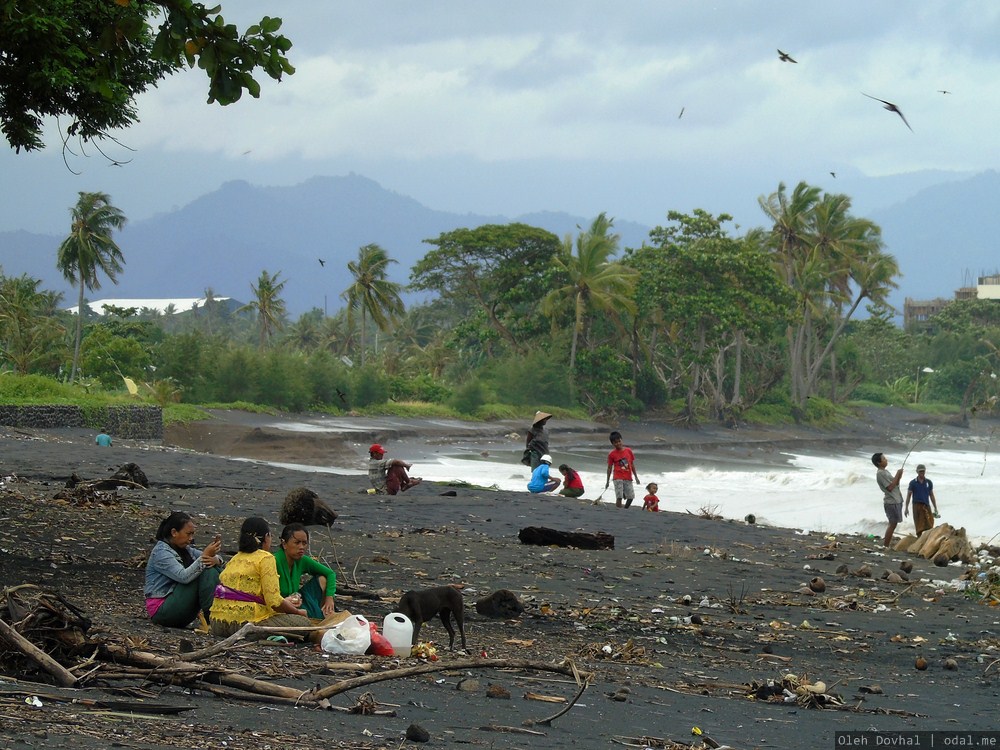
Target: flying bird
891	107
833	175
942	91
321	261
681	114
785	57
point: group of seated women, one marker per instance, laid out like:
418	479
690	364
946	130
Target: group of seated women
254	586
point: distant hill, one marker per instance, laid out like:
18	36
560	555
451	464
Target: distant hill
224	239
943	237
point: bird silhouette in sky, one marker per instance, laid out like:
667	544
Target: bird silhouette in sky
681	114
833	175
891	107
321	261
785	57
942	91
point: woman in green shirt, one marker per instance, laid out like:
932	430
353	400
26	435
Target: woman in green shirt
293	563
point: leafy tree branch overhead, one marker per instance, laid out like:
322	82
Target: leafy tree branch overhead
87	60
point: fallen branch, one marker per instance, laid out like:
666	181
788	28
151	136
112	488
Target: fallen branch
63	676
170	668
510	730
547	722
392	674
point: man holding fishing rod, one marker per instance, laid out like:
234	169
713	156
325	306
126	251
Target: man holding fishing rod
892	499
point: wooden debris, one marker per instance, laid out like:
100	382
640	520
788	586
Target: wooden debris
942	541
540	535
510	730
544	698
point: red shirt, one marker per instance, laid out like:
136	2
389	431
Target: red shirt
651	502
622	461
573	481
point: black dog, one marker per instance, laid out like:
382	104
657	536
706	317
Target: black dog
421	606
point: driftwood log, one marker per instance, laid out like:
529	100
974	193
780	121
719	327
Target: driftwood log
553	537
944	542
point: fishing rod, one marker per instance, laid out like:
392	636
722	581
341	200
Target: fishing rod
912	447
985	452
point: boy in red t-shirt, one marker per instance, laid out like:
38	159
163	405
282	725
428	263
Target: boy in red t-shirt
621	461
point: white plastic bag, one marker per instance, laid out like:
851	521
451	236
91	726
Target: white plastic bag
352	636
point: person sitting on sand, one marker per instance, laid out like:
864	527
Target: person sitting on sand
388	475
293	563
180	579
651	501
540	479
249	590
572	484
892	498
103	439
921	490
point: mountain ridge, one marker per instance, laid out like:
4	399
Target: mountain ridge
223	239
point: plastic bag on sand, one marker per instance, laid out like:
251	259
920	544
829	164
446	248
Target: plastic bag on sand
352	636
380	644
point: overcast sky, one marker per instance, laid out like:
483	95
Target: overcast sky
510	107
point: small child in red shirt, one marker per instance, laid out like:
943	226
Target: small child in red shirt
651	501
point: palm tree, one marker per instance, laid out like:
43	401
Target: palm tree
30	331
268	305
372	292
823	253
595	281
89	249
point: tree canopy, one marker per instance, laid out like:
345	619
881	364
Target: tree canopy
500	270
87	60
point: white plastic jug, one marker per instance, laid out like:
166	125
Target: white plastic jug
398	630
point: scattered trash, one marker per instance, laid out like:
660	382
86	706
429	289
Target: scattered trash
425	651
352	636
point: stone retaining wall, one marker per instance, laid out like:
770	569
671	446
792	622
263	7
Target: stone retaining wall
136	422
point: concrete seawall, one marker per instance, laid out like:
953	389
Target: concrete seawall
135	422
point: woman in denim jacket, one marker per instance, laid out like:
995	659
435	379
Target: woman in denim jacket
180	579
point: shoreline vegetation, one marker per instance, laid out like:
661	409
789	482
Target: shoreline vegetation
689	622
40	391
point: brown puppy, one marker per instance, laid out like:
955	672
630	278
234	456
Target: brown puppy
421	606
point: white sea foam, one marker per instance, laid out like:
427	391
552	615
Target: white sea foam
831	494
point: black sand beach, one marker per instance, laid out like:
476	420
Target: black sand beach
660	666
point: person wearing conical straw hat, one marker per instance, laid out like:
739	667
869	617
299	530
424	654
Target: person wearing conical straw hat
536	444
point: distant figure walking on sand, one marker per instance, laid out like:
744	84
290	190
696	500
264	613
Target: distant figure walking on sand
892	498
621	461
921	490
388	475
572	484
540	479
651	501
103	439
536	444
